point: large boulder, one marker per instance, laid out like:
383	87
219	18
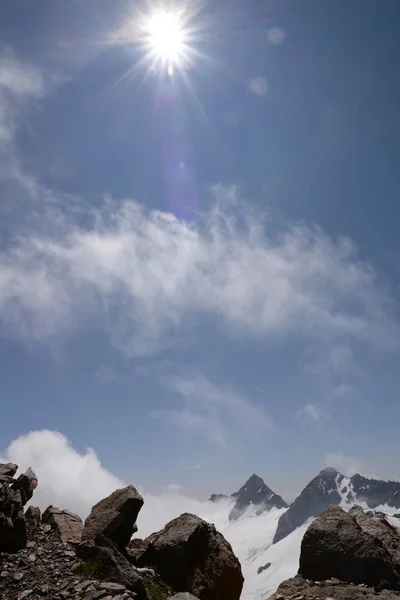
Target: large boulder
14	494
190	555
66	525
377	525
335	545
32	520
114	517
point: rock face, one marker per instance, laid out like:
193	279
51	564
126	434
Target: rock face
316	496
32	519
114	517
335	545
110	564
191	556
66	525
255	492
263	568
217	497
374	492
14	494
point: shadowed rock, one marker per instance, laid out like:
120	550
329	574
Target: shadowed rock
32	519
191	556
114	517
14	494
335	545
66	525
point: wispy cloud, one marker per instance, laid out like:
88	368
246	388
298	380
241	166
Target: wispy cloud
348	465
213	411
311	412
144	277
19	81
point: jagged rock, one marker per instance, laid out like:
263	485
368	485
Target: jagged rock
8	470
316	496
191	556
217	497
335	545
32	519
377	525
54	574
374	492
255	492
108	563
300	588
136	548
263	568
331	487
66	525
14	494
114	517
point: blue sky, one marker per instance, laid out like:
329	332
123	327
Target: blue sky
199	273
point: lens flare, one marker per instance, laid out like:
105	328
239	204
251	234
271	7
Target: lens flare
166	35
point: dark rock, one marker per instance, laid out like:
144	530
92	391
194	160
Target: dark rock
66	525
378	526
375	492
32	519
107	563
14	494
255	492
8	470
324	490
263	568
192	556
335	545
183	596
316	496
114	517
136	548
217	497
332	589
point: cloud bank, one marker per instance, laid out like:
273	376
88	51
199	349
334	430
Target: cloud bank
77	480
146	277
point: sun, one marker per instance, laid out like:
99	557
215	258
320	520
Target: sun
165	35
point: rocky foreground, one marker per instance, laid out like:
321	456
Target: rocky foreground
54	555
347	556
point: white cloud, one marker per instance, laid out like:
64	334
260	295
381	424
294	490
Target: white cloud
19	81
343	390
67	478
213	411
76	481
347	465
144	277
174	487
311	412
105	374
189	466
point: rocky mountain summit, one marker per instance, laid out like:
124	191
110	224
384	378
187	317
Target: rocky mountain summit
58	557
254	492
331	487
346	556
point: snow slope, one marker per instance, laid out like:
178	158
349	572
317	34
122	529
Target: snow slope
251	539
